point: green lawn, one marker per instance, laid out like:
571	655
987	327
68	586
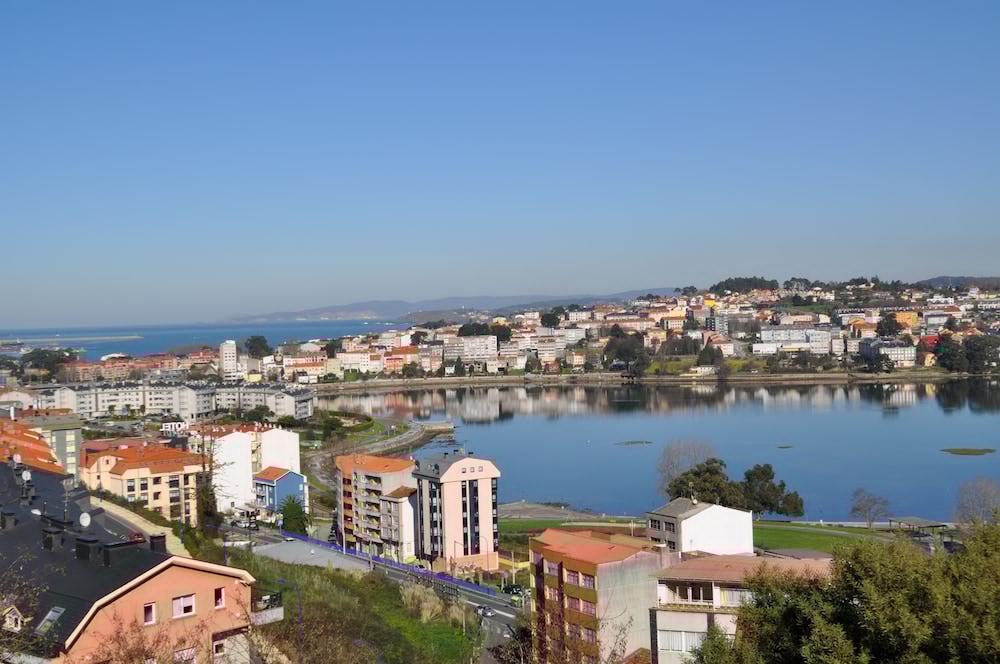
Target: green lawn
820	538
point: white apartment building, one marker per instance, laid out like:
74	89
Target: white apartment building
239	452
792	338
190	401
479	348
902	354
684	525
229	361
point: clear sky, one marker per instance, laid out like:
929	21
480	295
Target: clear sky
180	161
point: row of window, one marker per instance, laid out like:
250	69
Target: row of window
182	606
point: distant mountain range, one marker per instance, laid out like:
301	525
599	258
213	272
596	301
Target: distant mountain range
988	283
446	307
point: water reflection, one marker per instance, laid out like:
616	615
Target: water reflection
473	405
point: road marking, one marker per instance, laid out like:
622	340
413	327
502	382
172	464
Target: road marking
498	611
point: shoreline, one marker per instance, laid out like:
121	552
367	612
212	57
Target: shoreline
613	379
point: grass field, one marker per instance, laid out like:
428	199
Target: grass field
788	536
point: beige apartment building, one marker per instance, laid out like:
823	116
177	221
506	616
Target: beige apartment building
371	516
457	523
164	479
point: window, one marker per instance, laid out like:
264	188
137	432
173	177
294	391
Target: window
148	614
589	635
672	545
12	622
573	603
670	526
573	577
588	607
218	647
183	606
157	480
49	620
574	631
552	568
587	581
654	524
675	641
220	598
186	655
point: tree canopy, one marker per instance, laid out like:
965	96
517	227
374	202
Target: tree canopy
257	347
473	329
744	284
293	516
887	325
551	319
628	349
759	492
884	602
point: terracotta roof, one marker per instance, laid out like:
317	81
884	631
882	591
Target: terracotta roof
348	463
401	492
586	546
271	474
18	438
157	459
738	568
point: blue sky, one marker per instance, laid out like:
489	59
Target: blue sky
190	161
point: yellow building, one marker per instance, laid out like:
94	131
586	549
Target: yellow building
163	479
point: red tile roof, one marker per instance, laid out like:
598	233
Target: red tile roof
271	474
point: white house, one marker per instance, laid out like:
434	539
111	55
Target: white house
685	525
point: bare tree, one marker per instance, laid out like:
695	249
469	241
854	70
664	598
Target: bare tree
19	595
869	507
978	501
679	456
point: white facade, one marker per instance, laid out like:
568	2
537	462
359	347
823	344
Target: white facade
232	471
229	363
684	526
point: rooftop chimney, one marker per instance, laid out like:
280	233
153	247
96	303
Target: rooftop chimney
158	543
8	519
87	547
50	536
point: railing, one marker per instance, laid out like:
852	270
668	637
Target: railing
419	573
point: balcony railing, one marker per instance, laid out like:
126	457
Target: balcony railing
266	606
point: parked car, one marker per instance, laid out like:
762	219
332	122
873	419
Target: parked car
485	611
513	589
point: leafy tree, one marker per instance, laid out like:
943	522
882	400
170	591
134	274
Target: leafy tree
689	290
473	330
765	496
887	325
744	284
679	344
257	414
434	324
417	338
293	516
951	324
869	507
287	421
982	353
710	356
532	364
501	332
551	319
880	363
412	370
708	482
951	355
459	367
691	324
256	346
628	350
334	346
46	359
884	602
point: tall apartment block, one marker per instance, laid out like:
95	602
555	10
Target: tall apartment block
370	514
457	511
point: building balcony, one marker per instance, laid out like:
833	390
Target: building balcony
266	606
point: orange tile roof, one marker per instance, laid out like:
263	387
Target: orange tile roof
156	459
271	473
586	546
737	568
348	463
17	438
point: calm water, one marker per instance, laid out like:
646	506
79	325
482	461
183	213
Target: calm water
156	339
560	443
